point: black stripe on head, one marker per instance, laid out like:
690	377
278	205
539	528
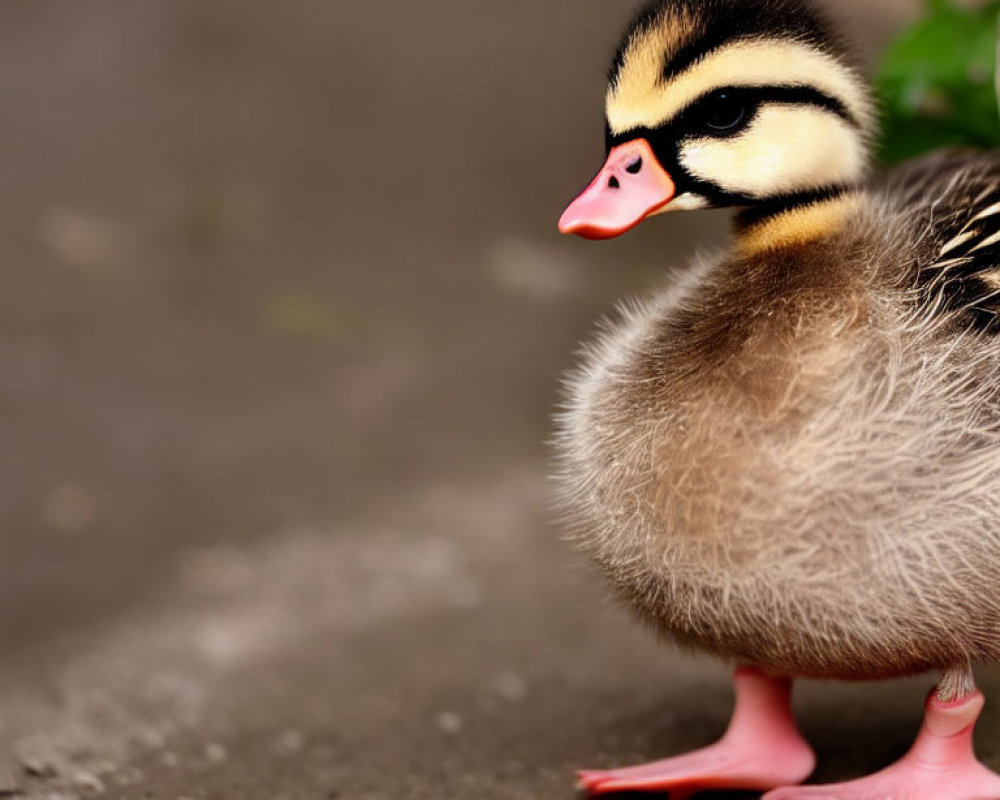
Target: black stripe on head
693	120
728	22
719	22
696	118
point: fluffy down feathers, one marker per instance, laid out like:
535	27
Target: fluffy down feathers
792	458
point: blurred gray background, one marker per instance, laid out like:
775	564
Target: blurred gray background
283	317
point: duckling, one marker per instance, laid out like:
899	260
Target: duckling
789	455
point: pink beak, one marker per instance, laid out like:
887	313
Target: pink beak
630	186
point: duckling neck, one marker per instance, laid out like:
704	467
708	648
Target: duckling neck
796	221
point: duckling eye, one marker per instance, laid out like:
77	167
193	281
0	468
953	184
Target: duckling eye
724	112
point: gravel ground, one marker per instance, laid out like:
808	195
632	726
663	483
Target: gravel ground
283	317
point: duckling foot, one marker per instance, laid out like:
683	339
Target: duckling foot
940	766
762	749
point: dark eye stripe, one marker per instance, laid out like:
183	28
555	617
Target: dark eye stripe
757	96
753	98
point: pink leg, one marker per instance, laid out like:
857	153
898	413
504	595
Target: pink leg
940	765
762	749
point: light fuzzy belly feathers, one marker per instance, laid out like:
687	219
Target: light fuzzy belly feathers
812	487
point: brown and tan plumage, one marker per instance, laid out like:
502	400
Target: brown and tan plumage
789	454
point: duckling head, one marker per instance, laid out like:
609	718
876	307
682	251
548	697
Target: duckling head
755	104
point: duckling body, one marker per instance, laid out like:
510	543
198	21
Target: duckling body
789	455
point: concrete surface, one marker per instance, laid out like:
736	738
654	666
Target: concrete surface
283	316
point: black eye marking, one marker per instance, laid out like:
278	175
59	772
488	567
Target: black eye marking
634	167
729	111
724	111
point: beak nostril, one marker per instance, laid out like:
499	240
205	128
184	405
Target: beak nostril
630	186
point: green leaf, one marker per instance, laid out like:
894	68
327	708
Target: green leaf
937	82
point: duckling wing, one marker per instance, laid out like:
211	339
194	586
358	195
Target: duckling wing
952	201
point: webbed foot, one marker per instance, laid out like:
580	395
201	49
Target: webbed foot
941	764
761	750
